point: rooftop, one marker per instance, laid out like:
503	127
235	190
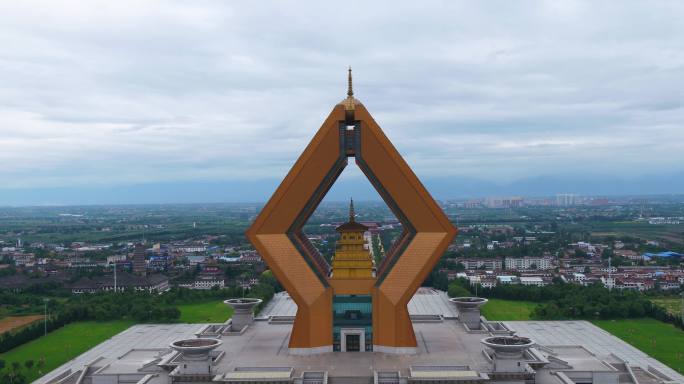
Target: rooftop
563	350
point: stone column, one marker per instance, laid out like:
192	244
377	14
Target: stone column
243	312
509	352
469	310
195	359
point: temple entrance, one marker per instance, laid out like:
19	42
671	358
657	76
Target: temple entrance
353	340
352	317
353	343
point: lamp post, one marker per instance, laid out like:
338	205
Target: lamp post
45	301
610	282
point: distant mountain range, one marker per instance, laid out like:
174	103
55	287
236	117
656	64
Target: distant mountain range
358	188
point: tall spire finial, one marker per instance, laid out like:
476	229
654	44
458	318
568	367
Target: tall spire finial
350	91
351	211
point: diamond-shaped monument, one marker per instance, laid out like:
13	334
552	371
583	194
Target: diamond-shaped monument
348	311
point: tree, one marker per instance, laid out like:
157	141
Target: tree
28	364
440	281
268	278
457	288
12	377
607	253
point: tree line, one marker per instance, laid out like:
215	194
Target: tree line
141	307
561	300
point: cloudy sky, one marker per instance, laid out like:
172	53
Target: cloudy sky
129	92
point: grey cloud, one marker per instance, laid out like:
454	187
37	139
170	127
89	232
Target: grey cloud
121	92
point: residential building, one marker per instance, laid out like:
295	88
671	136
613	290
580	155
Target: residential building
566	199
532	280
139	264
23	259
527	262
579	277
250	257
124	281
507	279
211	276
488	264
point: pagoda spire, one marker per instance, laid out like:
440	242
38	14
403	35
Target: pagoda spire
351	211
349	102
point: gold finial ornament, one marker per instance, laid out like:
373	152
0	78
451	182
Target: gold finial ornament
350	101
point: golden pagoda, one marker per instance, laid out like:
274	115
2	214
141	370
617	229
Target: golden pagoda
352	260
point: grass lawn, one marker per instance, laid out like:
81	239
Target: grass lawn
497	309
62	345
662	341
207	312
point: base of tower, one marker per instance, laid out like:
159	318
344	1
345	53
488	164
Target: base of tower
395	350
310	351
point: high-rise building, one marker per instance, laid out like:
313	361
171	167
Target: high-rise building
139	265
566	199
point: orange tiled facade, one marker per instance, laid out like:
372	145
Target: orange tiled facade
328	301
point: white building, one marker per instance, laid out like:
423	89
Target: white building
488	264
541	263
532	280
124	282
507	279
116	258
608	282
191	249
208	283
474	280
566	199
24	259
579	277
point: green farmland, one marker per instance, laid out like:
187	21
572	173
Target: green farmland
501	310
662	341
208	312
62	345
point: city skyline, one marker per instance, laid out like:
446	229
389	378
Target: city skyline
258	191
